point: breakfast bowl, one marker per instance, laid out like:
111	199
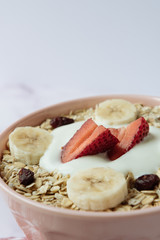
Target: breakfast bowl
44	222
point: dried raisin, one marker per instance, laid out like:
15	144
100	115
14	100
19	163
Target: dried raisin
60	121
26	176
147	182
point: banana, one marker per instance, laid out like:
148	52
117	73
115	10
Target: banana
97	189
28	144
115	111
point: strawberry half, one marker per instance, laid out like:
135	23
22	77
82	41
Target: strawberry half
129	137
90	139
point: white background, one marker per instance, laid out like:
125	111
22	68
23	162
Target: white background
51	51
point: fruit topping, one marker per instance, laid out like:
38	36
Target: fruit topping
28	144
26	176
60	121
90	139
116	111
146	182
129	137
97	188
118	132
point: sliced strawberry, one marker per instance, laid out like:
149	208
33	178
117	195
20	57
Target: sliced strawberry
118	132
114	131
90	139
129	137
80	136
100	141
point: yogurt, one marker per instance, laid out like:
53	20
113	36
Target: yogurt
144	158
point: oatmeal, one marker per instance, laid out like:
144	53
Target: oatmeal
50	185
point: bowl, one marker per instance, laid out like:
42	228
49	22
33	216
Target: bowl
42	222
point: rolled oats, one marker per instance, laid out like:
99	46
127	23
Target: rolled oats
43	189
136	200
147	200
66	202
123	208
19	165
38	182
46	125
55	189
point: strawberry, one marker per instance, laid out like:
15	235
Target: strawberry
118	132
129	137
90	139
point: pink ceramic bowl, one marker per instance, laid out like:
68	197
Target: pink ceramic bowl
42	222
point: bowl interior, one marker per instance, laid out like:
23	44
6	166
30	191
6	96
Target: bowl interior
56	110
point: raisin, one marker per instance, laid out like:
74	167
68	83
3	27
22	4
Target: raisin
60	121
147	182
26	176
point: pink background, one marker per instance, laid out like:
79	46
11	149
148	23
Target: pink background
52	51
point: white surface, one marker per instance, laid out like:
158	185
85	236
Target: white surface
52	51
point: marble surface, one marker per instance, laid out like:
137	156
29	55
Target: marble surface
53	51
18	99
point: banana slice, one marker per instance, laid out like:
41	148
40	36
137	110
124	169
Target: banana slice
28	144
115	111
97	189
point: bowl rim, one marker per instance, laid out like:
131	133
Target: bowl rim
69	212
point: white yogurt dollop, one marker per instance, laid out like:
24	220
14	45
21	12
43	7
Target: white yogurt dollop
144	158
